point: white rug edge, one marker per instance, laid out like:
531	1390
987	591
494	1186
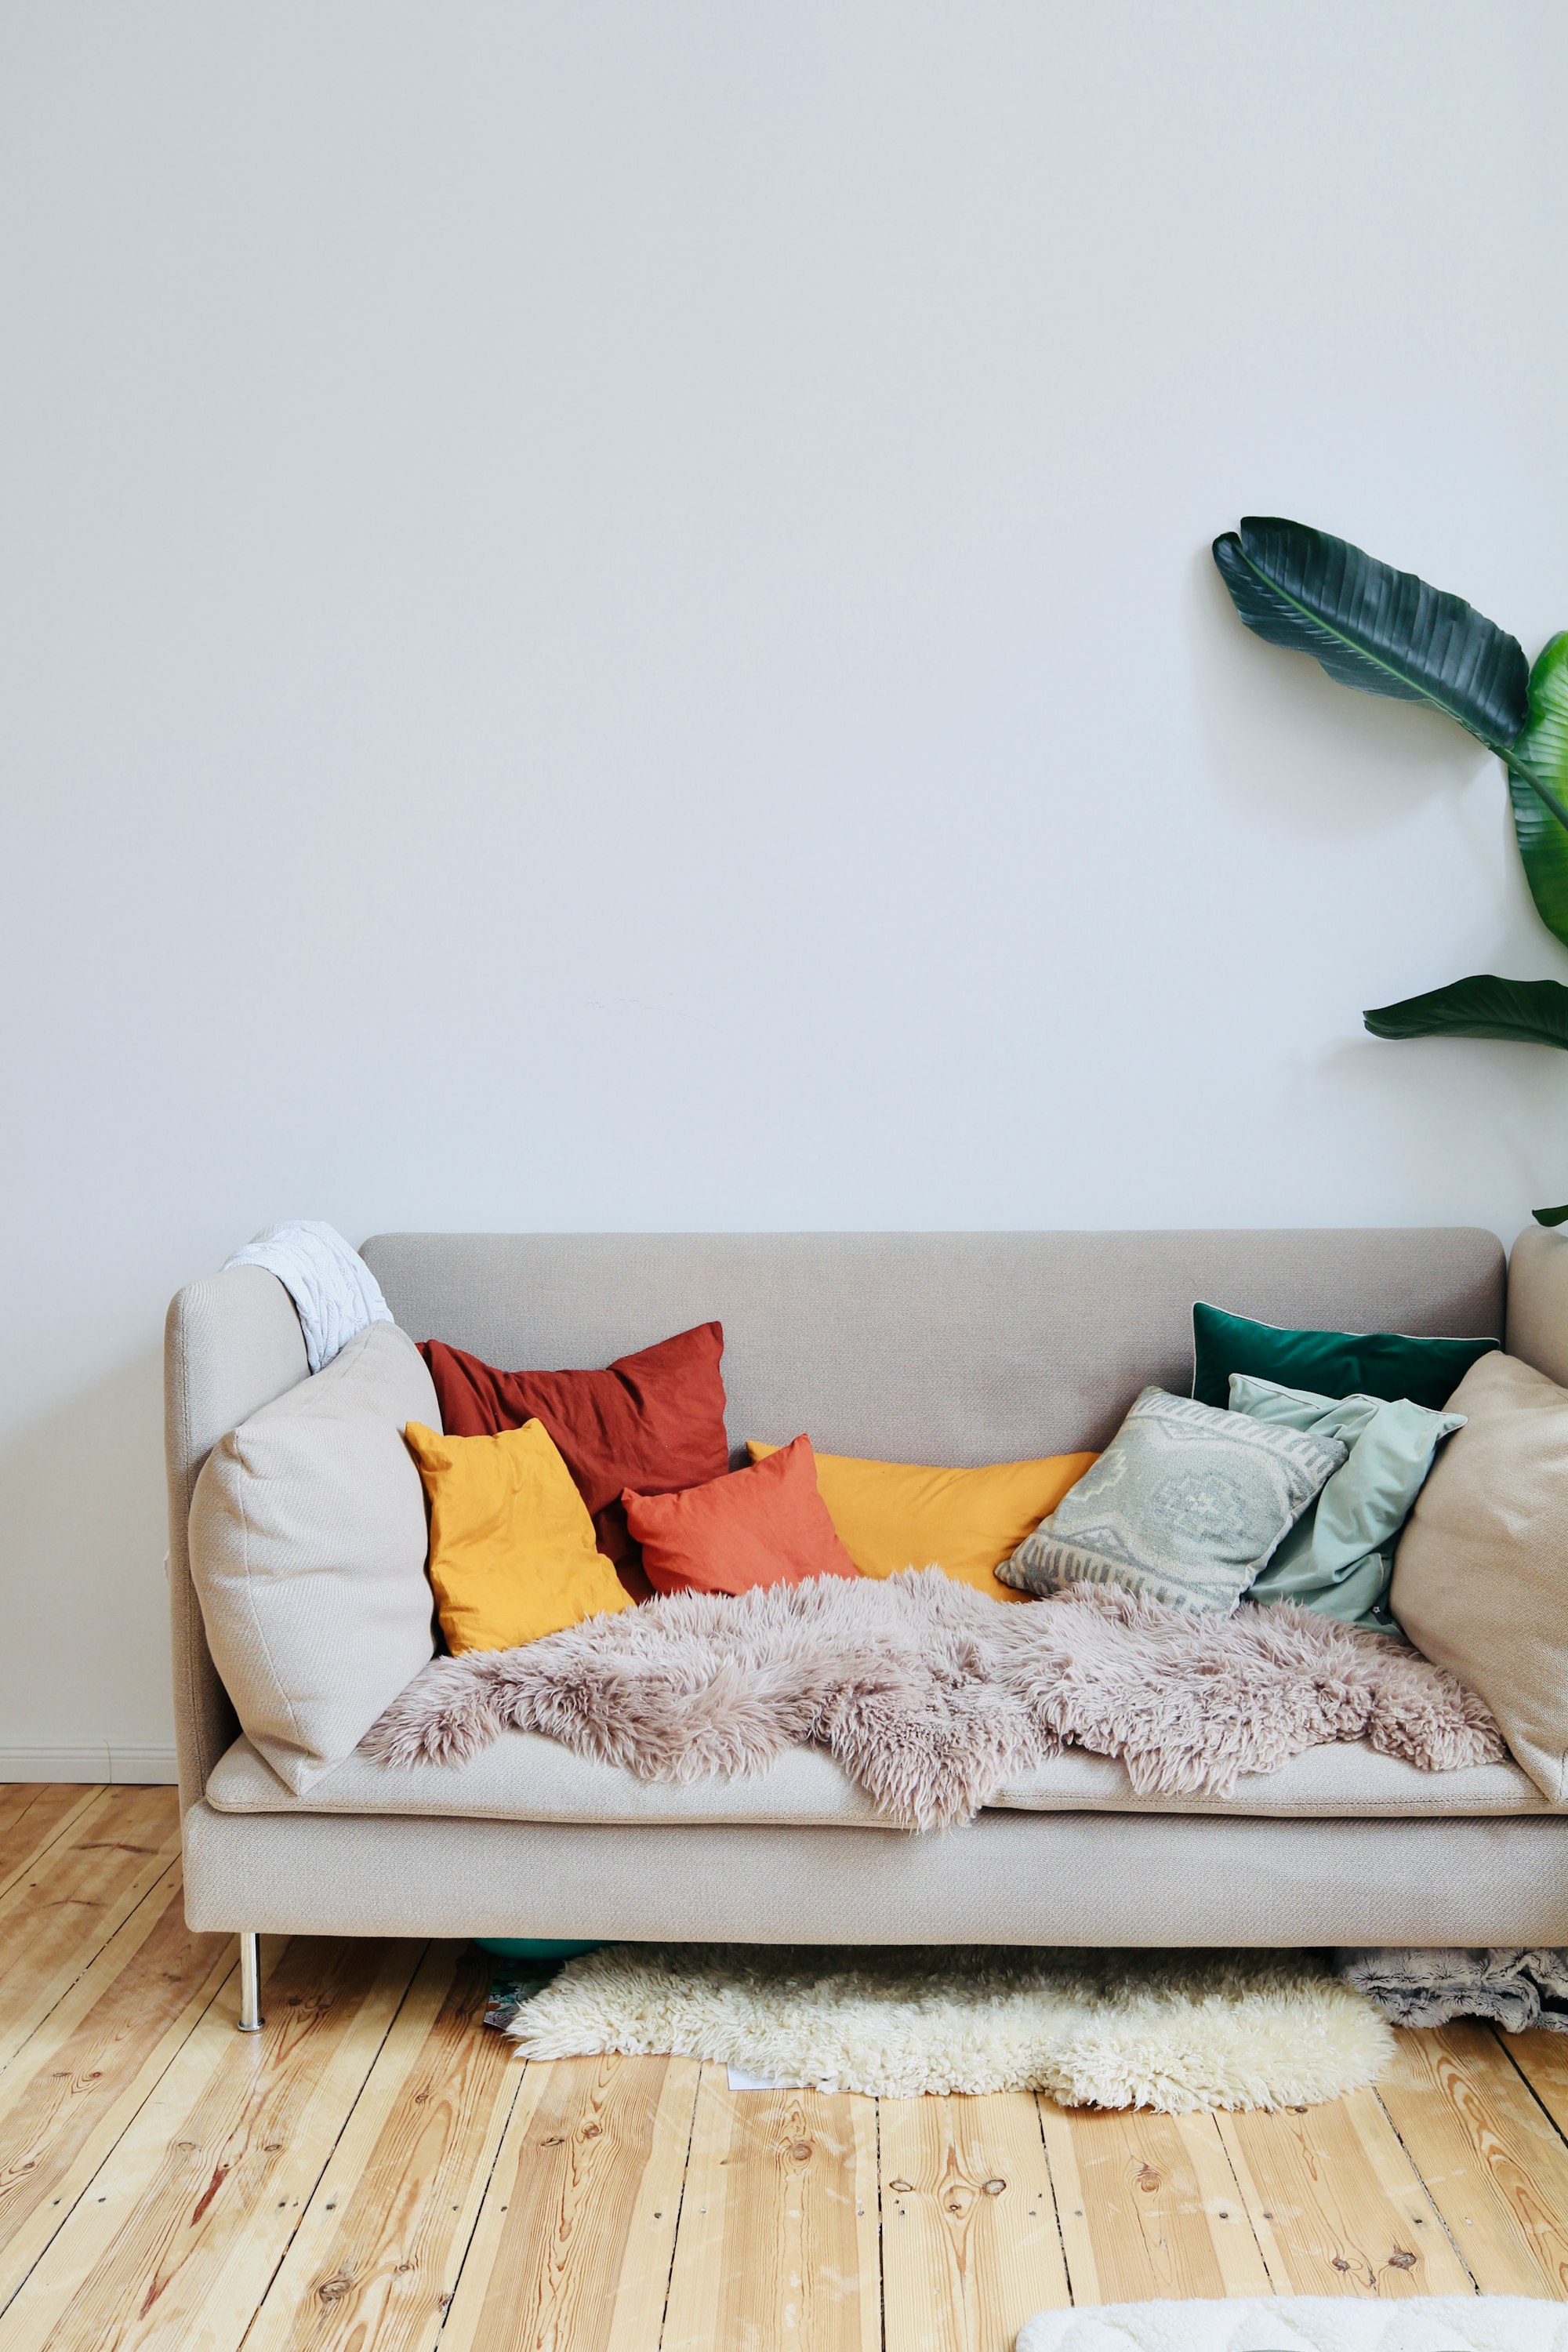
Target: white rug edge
1445	2323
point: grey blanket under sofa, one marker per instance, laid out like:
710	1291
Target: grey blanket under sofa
955	1348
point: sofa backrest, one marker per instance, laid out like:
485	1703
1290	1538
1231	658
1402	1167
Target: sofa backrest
947	1347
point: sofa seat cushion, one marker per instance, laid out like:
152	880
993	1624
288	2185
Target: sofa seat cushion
524	1776
1346	1781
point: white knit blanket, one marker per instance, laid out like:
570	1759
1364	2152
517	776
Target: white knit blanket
332	1288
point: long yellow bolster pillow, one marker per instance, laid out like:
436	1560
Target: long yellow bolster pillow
895	1514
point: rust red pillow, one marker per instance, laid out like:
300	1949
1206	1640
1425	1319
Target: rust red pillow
653	1421
767	1525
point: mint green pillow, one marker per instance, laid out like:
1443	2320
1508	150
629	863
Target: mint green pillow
1326	1363
1338	1559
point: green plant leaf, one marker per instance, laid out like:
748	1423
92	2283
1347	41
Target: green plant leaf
1538	786
1540	748
1382	631
1543	848
1521	1011
1550	1216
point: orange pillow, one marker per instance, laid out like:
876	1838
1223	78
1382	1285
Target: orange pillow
896	1515
764	1525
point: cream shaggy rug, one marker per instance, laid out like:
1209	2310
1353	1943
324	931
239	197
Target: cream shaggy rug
1172	2030
933	1698
1418	2322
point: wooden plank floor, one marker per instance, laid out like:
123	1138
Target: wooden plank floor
375	2173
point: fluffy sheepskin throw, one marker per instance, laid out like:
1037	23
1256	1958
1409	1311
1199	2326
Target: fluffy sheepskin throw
933	1698
1172	2030
1290	2322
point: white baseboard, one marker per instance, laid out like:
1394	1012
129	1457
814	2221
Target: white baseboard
92	1759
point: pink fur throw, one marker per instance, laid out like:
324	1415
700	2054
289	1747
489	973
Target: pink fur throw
932	1697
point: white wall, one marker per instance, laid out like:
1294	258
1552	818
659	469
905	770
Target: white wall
608	623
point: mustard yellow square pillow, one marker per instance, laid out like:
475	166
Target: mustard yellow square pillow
895	1514
511	1544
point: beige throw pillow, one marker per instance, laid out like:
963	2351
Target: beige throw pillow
1480	1577
308	1546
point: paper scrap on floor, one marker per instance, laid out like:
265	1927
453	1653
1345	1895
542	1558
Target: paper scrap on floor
742	2080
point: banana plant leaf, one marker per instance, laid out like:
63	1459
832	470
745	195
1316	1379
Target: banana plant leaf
1521	1011
1382	631
1543	848
1538	786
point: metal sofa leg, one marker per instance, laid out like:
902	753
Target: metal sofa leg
250	2016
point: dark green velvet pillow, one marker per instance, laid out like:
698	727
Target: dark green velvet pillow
1331	1363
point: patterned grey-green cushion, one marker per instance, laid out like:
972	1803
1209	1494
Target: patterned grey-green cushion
1185	1506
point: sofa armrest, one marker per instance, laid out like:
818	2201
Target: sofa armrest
232	1342
1538	1301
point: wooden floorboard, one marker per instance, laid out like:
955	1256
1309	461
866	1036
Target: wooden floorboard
79	2080
376	2172
1148	2208
777	2246
378	2251
573	2249
1493	2162
970	2242
176	2237
16	1796
61	1910
28	1829
1543	2060
1336	2204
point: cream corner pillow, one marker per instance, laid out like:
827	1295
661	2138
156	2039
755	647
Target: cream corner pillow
1480	1577
308	1546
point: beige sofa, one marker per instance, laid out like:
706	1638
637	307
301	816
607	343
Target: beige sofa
954	1349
